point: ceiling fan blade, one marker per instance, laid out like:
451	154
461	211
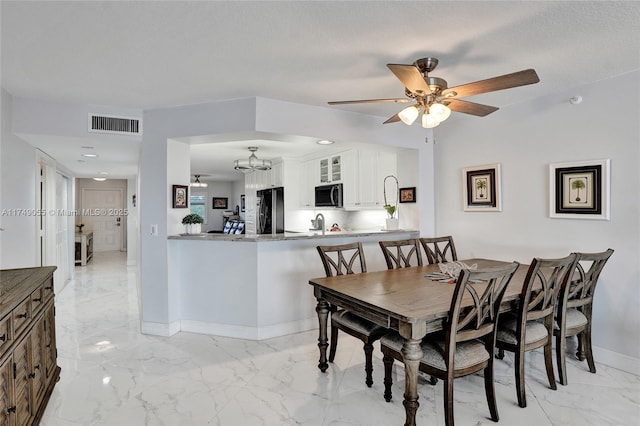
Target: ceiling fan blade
369	101
411	77
507	81
469	107
392	119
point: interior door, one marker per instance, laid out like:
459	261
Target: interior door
103	213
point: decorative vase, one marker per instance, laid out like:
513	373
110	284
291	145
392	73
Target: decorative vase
392	224
193	228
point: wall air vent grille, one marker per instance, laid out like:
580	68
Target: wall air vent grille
114	125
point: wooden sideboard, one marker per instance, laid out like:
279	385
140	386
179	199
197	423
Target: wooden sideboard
28	353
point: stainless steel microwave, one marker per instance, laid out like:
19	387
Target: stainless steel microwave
329	195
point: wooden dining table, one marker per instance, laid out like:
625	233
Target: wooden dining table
410	301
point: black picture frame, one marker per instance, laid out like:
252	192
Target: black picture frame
242	205
481	188
408	195
180	196
579	190
220	203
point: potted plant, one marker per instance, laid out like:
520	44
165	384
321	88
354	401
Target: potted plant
193	223
391	209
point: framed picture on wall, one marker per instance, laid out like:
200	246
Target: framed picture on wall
220	203
242	203
481	188
180	196
579	190
408	195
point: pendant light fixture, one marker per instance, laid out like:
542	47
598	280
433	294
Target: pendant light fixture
197	183
252	163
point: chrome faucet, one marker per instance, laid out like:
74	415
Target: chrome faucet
318	223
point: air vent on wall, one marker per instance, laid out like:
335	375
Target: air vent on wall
114	125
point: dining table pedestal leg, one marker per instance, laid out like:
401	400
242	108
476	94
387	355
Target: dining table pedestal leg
412	354
322	309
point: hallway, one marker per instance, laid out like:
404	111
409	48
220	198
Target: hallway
113	375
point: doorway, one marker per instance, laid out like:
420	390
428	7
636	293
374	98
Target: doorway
103	213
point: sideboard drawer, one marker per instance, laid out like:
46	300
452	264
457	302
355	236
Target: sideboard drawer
37	300
21	315
47	289
5	333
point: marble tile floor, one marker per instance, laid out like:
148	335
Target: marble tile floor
114	375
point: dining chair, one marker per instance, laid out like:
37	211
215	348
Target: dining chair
574	314
468	342
401	253
439	249
349	259
531	326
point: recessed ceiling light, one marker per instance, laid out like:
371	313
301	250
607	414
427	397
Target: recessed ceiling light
99	179
90	155
324	142
103	173
87	147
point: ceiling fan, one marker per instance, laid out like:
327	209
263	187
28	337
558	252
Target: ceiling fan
435	100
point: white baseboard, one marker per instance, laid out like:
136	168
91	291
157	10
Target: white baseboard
226	330
617	360
160	329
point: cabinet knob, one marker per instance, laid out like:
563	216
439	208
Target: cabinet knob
10	410
32	375
3	337
25	315
39	299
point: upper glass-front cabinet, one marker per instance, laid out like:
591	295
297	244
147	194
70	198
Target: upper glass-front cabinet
331	169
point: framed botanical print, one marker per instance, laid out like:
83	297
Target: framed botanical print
481	188
579	190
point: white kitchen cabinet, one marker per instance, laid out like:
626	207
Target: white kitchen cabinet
308	179
364	173
263	179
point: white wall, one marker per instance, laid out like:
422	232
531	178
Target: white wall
18	183
525	138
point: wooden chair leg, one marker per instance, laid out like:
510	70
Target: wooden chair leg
580	351
388	381
561	347
368	363
588	350
548	363
334	342
490	391
518	367
448	401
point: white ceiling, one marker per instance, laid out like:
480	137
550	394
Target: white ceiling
158	54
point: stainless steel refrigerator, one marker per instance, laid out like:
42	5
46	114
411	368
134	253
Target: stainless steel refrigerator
270	211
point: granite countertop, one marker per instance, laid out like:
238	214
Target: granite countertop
287	235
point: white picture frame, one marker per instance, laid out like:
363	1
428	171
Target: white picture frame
481	188
580	190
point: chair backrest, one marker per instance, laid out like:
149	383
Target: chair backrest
541	287
402	253
439	249
579	290
480	319
342	259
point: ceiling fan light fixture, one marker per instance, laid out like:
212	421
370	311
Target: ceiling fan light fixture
409	115
439	112
197	184
252	163
428	122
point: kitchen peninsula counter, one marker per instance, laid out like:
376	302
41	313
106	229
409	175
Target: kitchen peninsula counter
315	235
253	291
